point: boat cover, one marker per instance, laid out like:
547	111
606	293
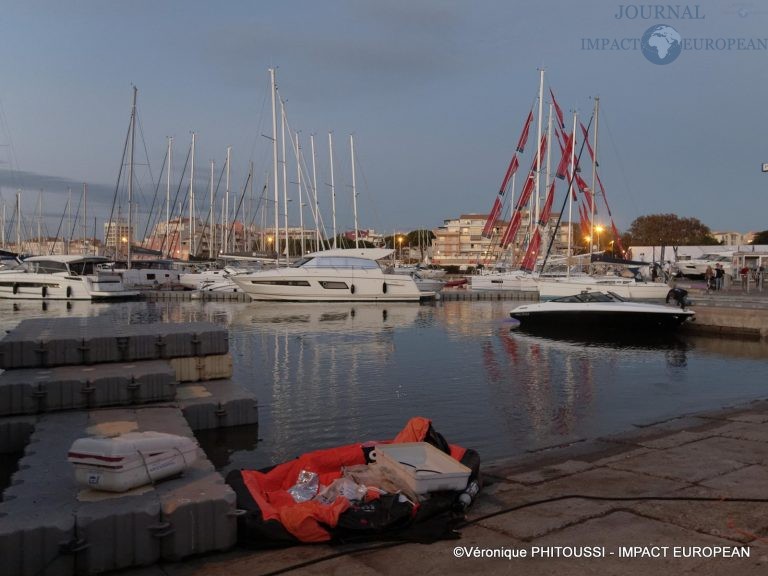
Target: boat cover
272	517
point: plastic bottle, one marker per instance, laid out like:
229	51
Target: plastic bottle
466	497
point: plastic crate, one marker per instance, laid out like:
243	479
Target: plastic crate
422	467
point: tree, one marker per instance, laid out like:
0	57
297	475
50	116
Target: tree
760	238
668	230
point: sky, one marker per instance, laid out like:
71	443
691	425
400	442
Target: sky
435	93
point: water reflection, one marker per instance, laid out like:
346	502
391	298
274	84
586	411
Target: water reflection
328	374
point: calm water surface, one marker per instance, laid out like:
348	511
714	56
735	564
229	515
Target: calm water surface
328	374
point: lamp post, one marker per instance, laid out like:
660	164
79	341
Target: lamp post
598	229
400	245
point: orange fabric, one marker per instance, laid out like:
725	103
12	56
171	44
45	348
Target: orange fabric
415	430
306	520
303	520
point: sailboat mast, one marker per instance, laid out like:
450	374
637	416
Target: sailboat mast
333	188
192	201
354	187
39	223
85	215
130	178
301	204
69	218
226	203
594	167
274	160
18	221
211	220
570	195
285	181
538	148
168	196
314	192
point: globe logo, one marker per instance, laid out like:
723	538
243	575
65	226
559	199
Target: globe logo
661	44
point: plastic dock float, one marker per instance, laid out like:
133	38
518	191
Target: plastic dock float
46	342
49	526
216	404
34	390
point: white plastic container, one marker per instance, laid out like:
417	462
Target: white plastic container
422	467
130	460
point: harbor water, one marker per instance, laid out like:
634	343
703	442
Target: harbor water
329	374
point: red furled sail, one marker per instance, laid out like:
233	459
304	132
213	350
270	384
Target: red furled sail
492	217
546	210
565	159
511	231
558	111
529	261
524	136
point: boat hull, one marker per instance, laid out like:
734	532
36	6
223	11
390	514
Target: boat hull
25	286
288	286
600	321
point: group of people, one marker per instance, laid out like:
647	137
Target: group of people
715	278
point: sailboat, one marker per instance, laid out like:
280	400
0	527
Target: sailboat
625	286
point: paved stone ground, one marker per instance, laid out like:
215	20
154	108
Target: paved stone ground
676	488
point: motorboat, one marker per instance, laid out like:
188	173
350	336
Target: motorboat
150	274
627	288
219	279
352	274
598	313
425	283
513	280
63	277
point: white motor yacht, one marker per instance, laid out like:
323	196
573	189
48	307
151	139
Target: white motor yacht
62	277
333	275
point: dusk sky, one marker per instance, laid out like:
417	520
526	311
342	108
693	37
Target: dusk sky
434	91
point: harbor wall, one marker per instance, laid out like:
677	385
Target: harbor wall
749	322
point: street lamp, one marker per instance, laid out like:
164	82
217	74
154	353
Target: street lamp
400	243
598	229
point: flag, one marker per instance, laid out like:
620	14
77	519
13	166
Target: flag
529	261
524	136
513	166
584	223
565	159
586	139
547	208
617	238
511	231
557	110
492	217
586	190
525	195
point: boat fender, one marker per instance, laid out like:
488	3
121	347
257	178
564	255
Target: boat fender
69	291
44	291
351	288
15	288
384	288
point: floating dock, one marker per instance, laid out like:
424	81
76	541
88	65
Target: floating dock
76	377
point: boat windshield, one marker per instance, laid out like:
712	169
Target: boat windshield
336	262
591	297
83	267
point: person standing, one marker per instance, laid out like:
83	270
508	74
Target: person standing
719	276
709	276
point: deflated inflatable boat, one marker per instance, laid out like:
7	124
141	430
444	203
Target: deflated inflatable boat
414	487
